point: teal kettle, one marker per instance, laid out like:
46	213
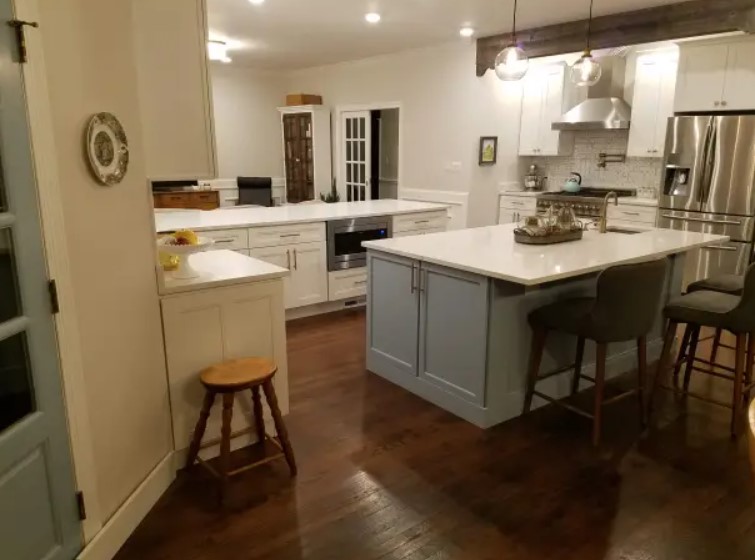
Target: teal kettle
573	183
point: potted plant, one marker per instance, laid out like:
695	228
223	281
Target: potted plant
333	195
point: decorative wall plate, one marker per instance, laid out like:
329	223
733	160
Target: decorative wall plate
107	147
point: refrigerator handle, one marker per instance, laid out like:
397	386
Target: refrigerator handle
709	151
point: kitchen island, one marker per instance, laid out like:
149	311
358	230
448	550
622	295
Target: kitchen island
447	312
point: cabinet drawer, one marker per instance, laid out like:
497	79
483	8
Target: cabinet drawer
420	221
344	284
270	236
645	215
418	232
518	203
177	200
227	238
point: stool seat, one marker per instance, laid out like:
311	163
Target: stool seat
707	308
725	283
234	375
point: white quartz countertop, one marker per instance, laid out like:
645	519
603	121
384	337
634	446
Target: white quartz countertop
220	268
491	251
226	218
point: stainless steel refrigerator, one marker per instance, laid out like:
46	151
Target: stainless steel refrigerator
708	186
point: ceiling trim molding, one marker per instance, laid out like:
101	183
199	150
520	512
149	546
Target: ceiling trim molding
662	23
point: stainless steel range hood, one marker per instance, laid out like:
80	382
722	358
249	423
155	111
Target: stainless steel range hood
604	108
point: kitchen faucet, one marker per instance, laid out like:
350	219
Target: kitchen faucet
603	228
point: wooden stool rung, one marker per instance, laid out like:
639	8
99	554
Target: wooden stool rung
250	466
564	404
620	397
209	467
696	396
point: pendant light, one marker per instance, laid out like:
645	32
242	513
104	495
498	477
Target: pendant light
512	63
586	71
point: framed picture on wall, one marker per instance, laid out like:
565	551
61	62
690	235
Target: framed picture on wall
488	150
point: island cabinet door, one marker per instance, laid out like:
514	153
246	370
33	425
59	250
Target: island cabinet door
453	331
392	316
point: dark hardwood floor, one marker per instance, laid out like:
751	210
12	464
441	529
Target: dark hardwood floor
383	474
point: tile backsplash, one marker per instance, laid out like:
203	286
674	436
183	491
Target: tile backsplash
643	174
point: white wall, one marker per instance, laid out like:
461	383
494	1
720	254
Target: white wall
88	47
445	108
247	122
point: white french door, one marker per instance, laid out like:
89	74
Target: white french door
355	155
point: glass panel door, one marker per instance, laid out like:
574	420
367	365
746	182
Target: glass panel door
355	171
38	514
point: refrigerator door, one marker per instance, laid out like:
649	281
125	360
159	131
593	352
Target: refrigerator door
725	258
732	174
687	158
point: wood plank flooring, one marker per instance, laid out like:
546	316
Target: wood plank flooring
385	475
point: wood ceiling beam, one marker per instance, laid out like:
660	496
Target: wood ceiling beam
663	23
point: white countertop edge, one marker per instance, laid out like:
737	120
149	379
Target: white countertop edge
375	246
624	201
412	207
220	269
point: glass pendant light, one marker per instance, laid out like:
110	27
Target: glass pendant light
586	71
512	63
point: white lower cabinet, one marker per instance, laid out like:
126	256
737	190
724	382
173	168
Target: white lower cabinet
344	284
418	232
427	327
626	215
308	282
209	326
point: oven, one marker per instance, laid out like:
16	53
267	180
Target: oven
345	239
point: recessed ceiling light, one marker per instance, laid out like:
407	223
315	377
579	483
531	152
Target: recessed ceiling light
372	17
257	2
466	31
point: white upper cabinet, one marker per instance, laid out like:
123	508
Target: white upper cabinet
716	76
652	104
542	104
170	43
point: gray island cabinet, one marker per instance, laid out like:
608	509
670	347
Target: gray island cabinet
447	314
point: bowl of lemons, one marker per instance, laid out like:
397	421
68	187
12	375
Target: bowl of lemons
183	244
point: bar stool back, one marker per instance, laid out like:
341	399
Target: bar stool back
625	307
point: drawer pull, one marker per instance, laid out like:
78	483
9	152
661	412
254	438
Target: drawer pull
421	221
630	213
283	235
225	240
360	282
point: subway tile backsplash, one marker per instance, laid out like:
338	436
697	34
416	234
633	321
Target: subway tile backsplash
643	174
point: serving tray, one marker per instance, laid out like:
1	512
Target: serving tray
548	239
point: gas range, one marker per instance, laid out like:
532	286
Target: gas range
586	203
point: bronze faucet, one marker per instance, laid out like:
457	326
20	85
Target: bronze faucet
603	228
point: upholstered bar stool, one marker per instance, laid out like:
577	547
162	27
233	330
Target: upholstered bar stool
722	311
625	307
732	284
227	379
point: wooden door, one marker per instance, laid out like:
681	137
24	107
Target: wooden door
299	161
38	514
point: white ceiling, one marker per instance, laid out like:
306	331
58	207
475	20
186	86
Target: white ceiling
288	34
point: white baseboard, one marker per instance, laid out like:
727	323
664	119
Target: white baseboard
458	203
326	307
125	520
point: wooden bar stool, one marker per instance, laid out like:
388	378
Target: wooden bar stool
624	308
722	311
227	379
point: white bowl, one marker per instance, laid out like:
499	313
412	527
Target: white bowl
184	270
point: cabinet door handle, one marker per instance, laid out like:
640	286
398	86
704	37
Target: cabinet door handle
288	259
296	261
412	281
720	248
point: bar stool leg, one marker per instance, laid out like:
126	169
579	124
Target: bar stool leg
259	418
280	427
749	365
668	340
641	376
600	378
196	440
716	345
682	353
691	357
225	443
739	366
578	365
536	356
